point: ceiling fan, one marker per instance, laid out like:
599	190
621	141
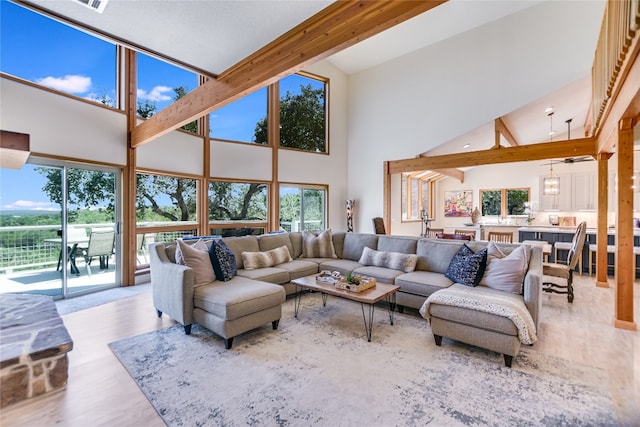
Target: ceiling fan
571	160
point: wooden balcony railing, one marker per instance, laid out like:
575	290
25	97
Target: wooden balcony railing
616	50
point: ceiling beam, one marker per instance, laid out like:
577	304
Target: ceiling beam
502	129
338	26
451	172
521	153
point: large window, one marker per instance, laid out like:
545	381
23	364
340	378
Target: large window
54	55
161	199
244	120
504	202
160	84
303	113
302	208
237	208
416	193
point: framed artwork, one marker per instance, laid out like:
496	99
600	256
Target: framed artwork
458	203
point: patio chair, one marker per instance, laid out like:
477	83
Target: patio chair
101	246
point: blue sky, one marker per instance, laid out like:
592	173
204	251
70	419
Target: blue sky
44	51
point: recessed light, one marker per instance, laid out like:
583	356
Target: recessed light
552	133
466	146
548	110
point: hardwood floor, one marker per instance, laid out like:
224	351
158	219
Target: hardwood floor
100	391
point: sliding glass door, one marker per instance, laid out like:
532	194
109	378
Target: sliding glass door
59	229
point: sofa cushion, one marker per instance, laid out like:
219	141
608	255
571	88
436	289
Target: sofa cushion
299	268
354	244
252	260
199	244
394	260
402	244
296	244
505	272
198	260
273	241
343	266
320	246
467	267
422	282
381	274
242	244
222	260
338	242
267	274
436	255
244	297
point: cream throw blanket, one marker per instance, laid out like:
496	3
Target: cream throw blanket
488	301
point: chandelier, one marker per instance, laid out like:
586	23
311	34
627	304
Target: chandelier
551	183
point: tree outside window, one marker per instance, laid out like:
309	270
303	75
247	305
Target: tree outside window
504	201
237	208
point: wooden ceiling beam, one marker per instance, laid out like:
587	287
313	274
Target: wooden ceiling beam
502	129
452	172
338	26
521	153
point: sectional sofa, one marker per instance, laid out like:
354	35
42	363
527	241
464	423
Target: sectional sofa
420	266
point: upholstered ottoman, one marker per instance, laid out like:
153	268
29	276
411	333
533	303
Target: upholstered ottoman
232	308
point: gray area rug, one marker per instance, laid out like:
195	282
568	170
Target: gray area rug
319	369
71	305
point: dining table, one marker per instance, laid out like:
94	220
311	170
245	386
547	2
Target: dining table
73	242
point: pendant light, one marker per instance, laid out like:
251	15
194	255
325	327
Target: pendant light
551	183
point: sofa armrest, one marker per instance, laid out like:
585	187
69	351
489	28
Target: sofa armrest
533	285
172	286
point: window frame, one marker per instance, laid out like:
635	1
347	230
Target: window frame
504	200
425	180
301	187
216	225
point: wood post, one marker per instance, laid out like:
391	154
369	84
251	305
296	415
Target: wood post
625	258
603	213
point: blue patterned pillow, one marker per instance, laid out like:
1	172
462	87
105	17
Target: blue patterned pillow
223	260
467	267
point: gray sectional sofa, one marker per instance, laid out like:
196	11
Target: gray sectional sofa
175	293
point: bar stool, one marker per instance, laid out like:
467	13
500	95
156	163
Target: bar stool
565	246
611	249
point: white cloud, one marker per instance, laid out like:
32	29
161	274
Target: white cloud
69	83
30	205
156	94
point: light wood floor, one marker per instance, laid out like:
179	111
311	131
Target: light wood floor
100	391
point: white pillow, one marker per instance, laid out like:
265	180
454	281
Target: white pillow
394	260
199	261
200	244
505	272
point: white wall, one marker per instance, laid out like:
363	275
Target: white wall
423	99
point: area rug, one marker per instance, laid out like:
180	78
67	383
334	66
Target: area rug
71	305
319	369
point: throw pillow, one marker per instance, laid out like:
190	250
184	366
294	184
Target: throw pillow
223	260
253	260
393	260
467	267
320	246
199	261
201	245
505	272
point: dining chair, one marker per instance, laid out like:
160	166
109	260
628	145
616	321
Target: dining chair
564	272
455	236
101	246
378	225
432	232
500	236
471	233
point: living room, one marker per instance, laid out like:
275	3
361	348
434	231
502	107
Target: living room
436	112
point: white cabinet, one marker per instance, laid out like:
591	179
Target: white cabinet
560	202
584	191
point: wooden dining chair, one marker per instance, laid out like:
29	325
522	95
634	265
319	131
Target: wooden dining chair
500	236
432	233
471	233
564	272
455	236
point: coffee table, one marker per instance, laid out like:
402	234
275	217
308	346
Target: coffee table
369	297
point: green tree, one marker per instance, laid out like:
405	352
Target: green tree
302	121
179	93
146	109
232	201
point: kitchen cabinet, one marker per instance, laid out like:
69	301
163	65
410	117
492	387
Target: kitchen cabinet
559	202
584	191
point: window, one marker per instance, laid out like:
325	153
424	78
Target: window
161	199
302	208
57	56
160	84
244	120
416	194
303	113
504	202
238	208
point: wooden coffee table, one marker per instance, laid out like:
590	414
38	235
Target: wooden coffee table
369	297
